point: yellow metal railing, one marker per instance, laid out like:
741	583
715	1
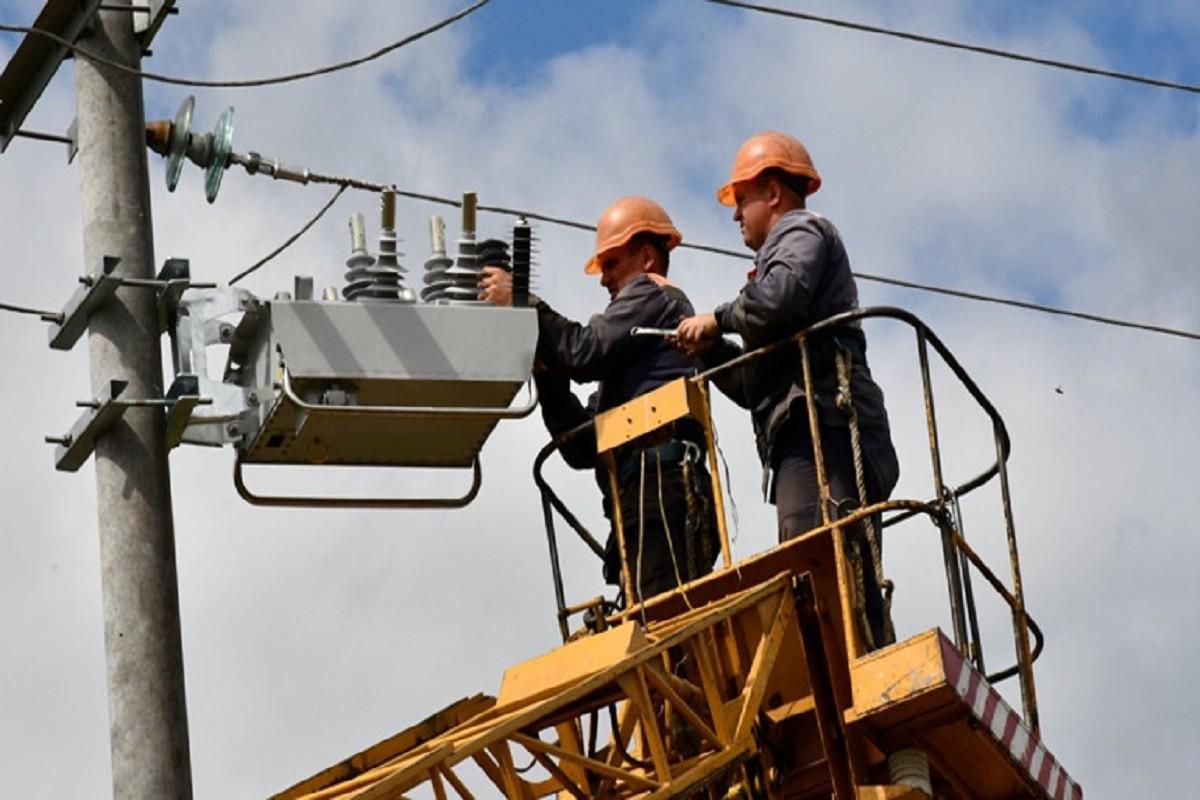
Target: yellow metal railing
942	509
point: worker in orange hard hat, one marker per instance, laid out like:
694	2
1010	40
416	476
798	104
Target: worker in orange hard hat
801	276
665	491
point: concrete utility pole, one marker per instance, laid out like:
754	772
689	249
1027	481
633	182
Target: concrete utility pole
143	651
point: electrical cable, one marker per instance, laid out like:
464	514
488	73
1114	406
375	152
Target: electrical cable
641	536
242	84
728	482
290	239
721	251
345	183
619	741
1028	306
974	48
662	512
48	316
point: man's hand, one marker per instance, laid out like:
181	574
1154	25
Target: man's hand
697	334
495	285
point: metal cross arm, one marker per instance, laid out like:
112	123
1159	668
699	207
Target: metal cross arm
72	321
103	412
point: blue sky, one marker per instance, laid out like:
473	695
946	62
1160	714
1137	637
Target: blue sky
514	48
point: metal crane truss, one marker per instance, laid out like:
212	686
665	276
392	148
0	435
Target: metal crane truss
753	681
689	694
746	688
310	382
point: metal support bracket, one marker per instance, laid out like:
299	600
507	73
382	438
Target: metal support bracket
75	448
175	279
179	414
193	321
102	413
465	412
359	502
170	285
74	318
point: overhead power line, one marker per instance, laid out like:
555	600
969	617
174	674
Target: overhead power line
291	239
355	183
242	84
974	48
1025	304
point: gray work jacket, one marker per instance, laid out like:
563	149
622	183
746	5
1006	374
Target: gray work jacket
802	276
603	350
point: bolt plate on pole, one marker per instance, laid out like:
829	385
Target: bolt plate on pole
81	441
179	414
64	335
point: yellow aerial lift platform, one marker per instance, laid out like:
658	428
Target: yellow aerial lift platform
754	681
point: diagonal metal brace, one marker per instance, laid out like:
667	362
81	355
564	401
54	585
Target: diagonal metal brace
75	448
74	320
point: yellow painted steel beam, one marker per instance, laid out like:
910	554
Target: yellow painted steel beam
550	672
539	692
646	413
924	690
435	724
664	688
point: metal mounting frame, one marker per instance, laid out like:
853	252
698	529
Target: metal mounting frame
87	298
411	411
301	501
194	324
76	447
104	411
311	409
72	321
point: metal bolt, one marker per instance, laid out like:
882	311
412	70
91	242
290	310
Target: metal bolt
253	397
226	332
232	429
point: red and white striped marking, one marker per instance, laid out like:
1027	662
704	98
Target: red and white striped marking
1007	728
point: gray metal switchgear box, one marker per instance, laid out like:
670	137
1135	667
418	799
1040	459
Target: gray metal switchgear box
383	383
316	382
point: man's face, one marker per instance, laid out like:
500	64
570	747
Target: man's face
618	267
753	211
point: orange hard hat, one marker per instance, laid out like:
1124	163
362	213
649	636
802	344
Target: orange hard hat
764	151
626	218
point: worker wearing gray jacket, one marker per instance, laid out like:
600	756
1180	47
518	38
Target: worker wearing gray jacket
801	276
665	492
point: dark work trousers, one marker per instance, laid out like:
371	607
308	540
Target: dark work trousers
692	548
797	497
